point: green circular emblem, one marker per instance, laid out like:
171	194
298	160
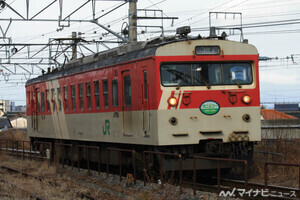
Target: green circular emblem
209	107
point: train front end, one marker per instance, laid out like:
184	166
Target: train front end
209	101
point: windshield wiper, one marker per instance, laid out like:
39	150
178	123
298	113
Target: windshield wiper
180	82
204	81
239	86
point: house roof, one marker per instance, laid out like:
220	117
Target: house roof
5	121
16	116
274	114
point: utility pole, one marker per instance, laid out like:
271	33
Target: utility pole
74	46
132	18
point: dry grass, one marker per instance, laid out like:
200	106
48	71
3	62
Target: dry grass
278	175
14	135
14	139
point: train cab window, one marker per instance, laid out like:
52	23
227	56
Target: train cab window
96	94
47	100
127	90
73	96
115	93
206	74
66	98
43	101
80	88
238	73
59	99
53	98
88	95
105	92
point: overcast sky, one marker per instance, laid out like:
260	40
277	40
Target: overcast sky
270	25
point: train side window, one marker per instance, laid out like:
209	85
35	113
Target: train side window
66	98
28	98
38	102
33	98
53	98
88	95
43	101
115	93
80	88
73	97
145	85
33	101
127	90
105	92
47	100
59	99
96	94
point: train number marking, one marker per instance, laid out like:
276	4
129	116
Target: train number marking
106	127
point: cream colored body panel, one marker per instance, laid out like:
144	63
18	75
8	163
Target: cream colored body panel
58	118
187	48
192	121
91	126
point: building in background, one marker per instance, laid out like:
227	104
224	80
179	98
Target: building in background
5	105
12	116
19	121
278	125
19	109
5	124
289	108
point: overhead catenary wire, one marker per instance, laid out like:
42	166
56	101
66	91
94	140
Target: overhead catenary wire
87	29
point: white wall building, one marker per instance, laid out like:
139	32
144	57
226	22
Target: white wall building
5	105
19	122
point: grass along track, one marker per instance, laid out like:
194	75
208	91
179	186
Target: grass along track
64	186
97	186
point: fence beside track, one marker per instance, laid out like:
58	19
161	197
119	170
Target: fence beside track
161	155
120	161
25	149
18	148
219	169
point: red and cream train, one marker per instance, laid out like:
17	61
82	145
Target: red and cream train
181	95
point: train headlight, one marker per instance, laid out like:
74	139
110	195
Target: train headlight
246	99
173	101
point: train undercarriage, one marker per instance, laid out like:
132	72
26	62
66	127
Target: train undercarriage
72	151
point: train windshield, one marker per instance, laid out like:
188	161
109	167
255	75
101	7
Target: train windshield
206	74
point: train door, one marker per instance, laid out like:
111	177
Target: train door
145	102
127	121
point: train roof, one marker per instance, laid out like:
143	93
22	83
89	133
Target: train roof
121	54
